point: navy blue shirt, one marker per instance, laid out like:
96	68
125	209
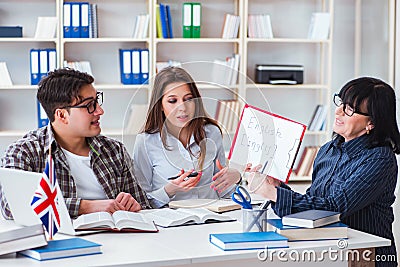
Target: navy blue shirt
355	180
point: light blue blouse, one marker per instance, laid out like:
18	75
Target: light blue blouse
153	164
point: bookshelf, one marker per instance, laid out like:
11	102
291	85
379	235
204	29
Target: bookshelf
116	23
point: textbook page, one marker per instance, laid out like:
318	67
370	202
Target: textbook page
215	205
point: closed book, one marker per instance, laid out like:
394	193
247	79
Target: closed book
14	237
10	31
249	240
63	248
311	218
294	233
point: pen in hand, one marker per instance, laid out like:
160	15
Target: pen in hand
193	174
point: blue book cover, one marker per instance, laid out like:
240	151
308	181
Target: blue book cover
163	19
249	240
311	218
169	20
63	248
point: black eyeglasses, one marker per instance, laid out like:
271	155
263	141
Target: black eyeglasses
91	106
347	109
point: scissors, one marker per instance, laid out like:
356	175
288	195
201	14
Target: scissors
242	197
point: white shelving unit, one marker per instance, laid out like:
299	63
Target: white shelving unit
116	25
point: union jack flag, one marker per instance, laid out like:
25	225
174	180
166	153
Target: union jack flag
45	200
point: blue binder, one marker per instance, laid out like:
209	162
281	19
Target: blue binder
43	63
84	22
34	66
144	66
51	59
136	66
43	120
169	19
67	20
75	20
163	19
125	66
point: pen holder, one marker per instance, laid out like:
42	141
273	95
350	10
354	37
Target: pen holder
254	220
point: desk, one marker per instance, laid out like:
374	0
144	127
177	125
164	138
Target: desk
187	245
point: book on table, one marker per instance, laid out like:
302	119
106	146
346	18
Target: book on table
331	231
169	217
311	218
249	240
119	221
14	237
63	248
216	205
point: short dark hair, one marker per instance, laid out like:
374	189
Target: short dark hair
380	101
59	88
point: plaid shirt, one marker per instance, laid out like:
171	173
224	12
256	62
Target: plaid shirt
109	160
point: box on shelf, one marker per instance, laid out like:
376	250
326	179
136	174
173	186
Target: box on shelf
279	74
10	31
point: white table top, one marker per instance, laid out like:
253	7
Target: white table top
178	246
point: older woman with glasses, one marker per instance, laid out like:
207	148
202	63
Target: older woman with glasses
356	172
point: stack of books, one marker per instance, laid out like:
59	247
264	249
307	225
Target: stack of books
259	26
141	26
225	72
164	21
304	165
318	119
14	238
310	225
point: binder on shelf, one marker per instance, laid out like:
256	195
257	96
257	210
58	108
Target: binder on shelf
196	20
84	20
136	76
43	63
144	66
43	120
163	19
187	20
67	20
126	66
93	27
75	19
35	74
52	59
169	24
158	22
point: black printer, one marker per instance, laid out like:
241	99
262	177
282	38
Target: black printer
279	74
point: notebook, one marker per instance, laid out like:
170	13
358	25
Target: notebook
18	187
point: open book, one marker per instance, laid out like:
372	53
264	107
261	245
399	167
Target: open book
216	205
124	221
169	217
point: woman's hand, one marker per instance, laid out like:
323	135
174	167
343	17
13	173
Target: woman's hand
225	178
183	183
263	185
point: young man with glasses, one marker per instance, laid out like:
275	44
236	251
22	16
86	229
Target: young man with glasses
95	173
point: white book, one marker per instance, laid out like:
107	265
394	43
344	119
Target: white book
118	221
319	26
144	29
268	28
169	217
225	29
137	26
46	27
5	79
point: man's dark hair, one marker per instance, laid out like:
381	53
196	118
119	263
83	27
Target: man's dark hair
60	88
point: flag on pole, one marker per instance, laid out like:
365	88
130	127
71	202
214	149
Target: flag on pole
45	200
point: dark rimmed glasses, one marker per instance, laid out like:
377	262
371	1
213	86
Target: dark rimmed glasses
91	106
347	109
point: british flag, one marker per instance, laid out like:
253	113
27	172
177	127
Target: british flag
45	200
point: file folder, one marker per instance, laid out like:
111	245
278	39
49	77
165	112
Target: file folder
196	20
67	20
52	59
125	66
158	22
43	63
187	20
84	23
169	20
144	66
43	120
163	19
136	76
75	19
35	75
